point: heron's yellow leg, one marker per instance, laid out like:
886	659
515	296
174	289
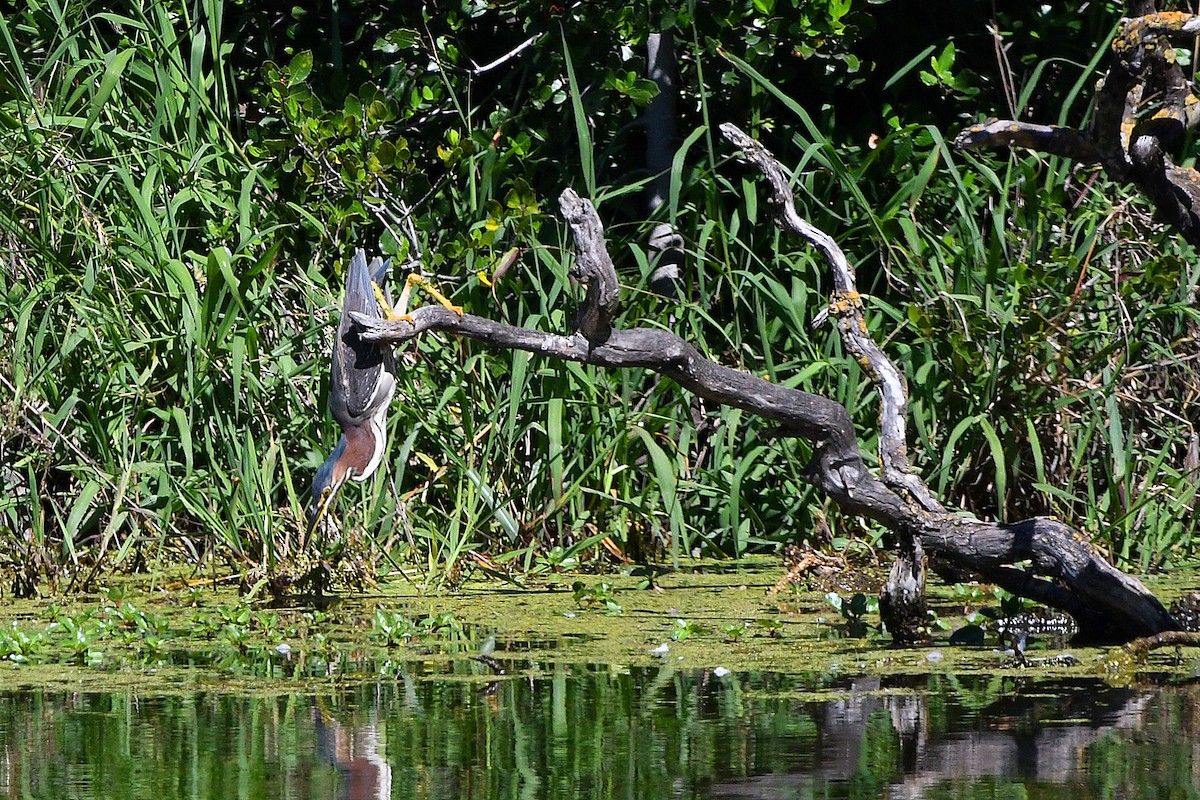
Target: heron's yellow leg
381	298
401	310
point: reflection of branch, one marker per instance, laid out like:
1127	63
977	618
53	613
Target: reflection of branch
1107	603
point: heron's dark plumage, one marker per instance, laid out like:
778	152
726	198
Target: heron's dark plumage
362	381
362	371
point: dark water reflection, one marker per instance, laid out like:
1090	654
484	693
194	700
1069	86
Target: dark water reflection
577	732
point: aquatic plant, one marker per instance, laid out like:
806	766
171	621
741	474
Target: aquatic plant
854	612
599	595
682	629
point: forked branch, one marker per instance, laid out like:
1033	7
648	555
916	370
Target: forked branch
1039	558
1144	106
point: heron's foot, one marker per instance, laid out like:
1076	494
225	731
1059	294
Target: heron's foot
424	283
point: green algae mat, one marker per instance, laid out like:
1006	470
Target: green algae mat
713	681
718	616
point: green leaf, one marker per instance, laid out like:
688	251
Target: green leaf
300	68
664	472
113	71
79	509
185	435
399	39
998	460
641	91
945	60
582	130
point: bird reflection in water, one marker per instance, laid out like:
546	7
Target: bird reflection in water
355	751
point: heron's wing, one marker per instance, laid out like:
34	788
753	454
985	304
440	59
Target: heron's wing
363	372
380	272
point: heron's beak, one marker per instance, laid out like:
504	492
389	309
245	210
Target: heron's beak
325	487
319	510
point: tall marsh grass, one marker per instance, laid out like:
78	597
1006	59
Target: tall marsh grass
169	273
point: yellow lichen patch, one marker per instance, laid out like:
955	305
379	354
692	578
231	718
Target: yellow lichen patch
1168	20
841	302
1145	30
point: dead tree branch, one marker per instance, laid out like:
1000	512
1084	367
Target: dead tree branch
902	600
1039	558
1131	146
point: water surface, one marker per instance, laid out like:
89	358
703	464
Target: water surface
572	731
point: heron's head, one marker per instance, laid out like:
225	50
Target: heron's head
329	478
355	458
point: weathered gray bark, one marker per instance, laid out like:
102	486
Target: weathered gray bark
902	605
902	600
1063	569
1131	146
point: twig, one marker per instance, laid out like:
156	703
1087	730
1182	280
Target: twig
532	40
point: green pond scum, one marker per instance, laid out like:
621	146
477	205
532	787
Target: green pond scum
729	617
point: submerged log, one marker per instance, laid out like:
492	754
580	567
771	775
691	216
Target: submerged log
1041	558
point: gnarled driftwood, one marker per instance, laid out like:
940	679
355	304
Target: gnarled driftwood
1040	558
1144	105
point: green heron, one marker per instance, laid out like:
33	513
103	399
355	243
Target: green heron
362	381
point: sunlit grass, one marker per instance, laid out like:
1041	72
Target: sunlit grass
168	284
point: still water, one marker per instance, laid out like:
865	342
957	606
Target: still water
577	731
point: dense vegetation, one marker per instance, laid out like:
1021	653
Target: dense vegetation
184	181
